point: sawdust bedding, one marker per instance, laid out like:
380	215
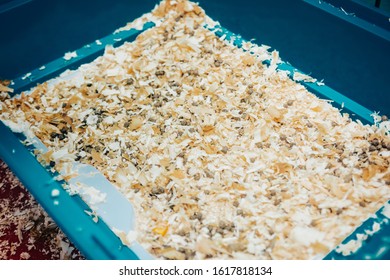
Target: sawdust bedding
221	156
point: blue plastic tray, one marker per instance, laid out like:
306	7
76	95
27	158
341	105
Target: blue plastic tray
96	240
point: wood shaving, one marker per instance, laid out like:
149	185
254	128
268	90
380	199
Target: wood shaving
70	55
302	77
221	156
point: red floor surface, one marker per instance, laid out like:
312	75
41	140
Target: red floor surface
26	231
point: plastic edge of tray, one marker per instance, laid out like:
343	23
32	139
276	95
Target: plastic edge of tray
352	18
